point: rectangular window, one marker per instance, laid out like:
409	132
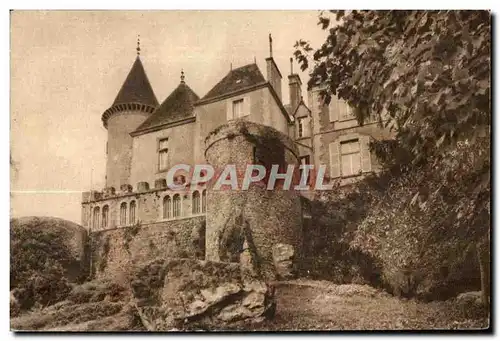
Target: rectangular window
345	112
301	127
163	154
238	109
350	158
304	160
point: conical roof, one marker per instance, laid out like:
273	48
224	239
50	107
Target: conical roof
178	105
136	88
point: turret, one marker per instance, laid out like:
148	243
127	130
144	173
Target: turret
134	103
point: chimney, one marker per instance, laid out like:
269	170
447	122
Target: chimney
273	73
295	85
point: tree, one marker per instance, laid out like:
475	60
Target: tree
426	76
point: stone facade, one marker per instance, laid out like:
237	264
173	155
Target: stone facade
241	120
335	124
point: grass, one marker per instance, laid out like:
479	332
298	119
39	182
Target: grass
322	306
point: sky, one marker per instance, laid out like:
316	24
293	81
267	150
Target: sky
68	66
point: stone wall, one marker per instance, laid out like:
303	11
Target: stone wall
115	252
258	216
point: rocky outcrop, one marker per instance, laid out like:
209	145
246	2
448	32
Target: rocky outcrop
191	294
467	299
92	306
283	257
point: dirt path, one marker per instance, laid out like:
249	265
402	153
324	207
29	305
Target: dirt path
319	305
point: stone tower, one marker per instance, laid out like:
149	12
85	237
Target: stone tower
256	219
134	103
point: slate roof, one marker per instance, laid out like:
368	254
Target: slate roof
289	109
136	88
237	79
178	105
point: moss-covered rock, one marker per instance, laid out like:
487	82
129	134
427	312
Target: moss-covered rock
192	294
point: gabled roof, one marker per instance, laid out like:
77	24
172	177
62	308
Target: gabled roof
237	79
136	88
301	103
177	106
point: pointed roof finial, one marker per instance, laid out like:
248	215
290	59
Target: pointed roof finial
138	45
270	46
231	67
291	65
182	76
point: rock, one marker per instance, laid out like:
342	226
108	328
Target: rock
189	294
469	298
283	258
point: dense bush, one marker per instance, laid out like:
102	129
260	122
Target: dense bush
42	262
426	76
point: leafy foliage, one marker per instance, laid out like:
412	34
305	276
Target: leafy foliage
38	261
426	76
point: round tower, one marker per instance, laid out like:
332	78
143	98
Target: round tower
134	103
256	219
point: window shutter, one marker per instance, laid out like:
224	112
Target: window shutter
246	106
229	110
366	162
333	109
334	159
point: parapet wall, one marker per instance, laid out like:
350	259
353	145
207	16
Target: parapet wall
148	203
115	252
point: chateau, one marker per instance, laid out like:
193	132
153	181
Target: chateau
146	138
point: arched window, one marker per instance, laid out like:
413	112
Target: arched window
131	217
196	202
167	207
204	201
97	212
123	213
105	214
176	212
